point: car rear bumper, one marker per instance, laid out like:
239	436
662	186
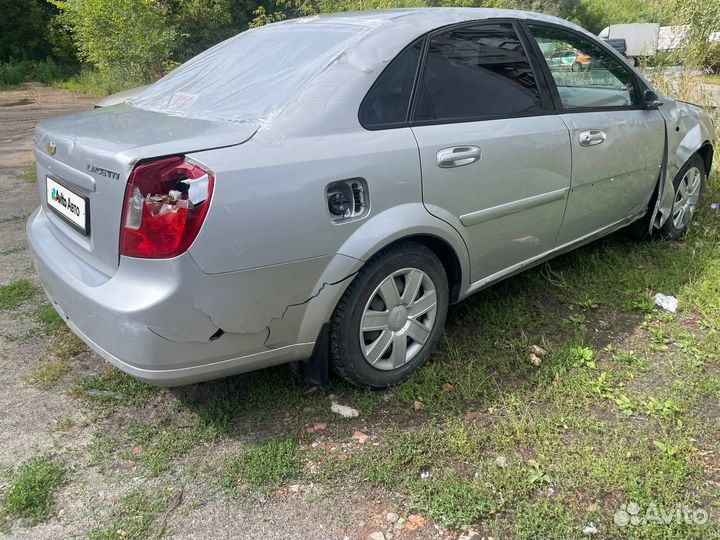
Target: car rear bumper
159	320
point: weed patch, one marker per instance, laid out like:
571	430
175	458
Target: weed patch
136	515
261	467
14	294
31	490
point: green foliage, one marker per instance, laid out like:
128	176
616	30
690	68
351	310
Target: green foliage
598	14
582	357
14	294
31	490
27	31
112	387
128	38
47	71
264	466
200	24
136	515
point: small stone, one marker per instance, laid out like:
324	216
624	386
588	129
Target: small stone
294	488
379	535
590	529
471	535
501	461
400	525
538	351
320	426
424	475
535	360
447	387
360	437
391	517
417	405
344	411
136	451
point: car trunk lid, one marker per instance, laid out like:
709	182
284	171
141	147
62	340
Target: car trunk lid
91	155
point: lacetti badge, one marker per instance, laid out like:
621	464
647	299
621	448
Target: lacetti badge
92	169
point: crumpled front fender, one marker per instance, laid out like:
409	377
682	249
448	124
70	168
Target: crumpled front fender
688	128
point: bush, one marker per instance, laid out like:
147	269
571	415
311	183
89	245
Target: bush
45	71
127	39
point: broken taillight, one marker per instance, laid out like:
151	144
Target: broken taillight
165	205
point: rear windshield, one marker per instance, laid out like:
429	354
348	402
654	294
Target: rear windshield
249	77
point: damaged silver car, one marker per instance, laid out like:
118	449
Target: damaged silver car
318	191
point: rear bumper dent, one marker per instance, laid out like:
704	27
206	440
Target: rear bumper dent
153	319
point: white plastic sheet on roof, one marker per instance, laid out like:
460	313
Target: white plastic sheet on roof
250	77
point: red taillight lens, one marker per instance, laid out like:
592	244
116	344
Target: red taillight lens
165	205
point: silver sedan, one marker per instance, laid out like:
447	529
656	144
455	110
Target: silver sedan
318	191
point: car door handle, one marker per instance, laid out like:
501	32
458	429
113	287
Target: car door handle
591	137
457	156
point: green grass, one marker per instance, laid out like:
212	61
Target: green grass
617	411
48	319
14	294
89	81
113	387
77	78
713	78
136	515
614	414
31	488
160	443
261	467
13	74
47	373
29	176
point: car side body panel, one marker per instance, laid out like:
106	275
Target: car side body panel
689	128
615	179
269	205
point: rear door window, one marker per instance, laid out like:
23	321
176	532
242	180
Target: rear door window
387	102
476	72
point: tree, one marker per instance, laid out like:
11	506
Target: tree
130	39
24	29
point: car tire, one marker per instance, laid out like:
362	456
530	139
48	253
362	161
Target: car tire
382	331
689	184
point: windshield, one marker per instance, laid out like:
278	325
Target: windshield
249	77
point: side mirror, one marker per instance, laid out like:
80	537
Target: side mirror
651	101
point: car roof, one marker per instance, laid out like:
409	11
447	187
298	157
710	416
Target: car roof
427	18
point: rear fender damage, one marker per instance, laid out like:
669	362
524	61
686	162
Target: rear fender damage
263	308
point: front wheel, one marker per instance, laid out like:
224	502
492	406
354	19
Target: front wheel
688	185
390	318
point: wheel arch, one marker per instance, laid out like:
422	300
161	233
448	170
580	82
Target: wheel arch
706	152
420	226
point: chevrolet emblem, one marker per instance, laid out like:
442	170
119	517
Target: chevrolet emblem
51	148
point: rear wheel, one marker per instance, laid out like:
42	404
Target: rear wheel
390	318
688	184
